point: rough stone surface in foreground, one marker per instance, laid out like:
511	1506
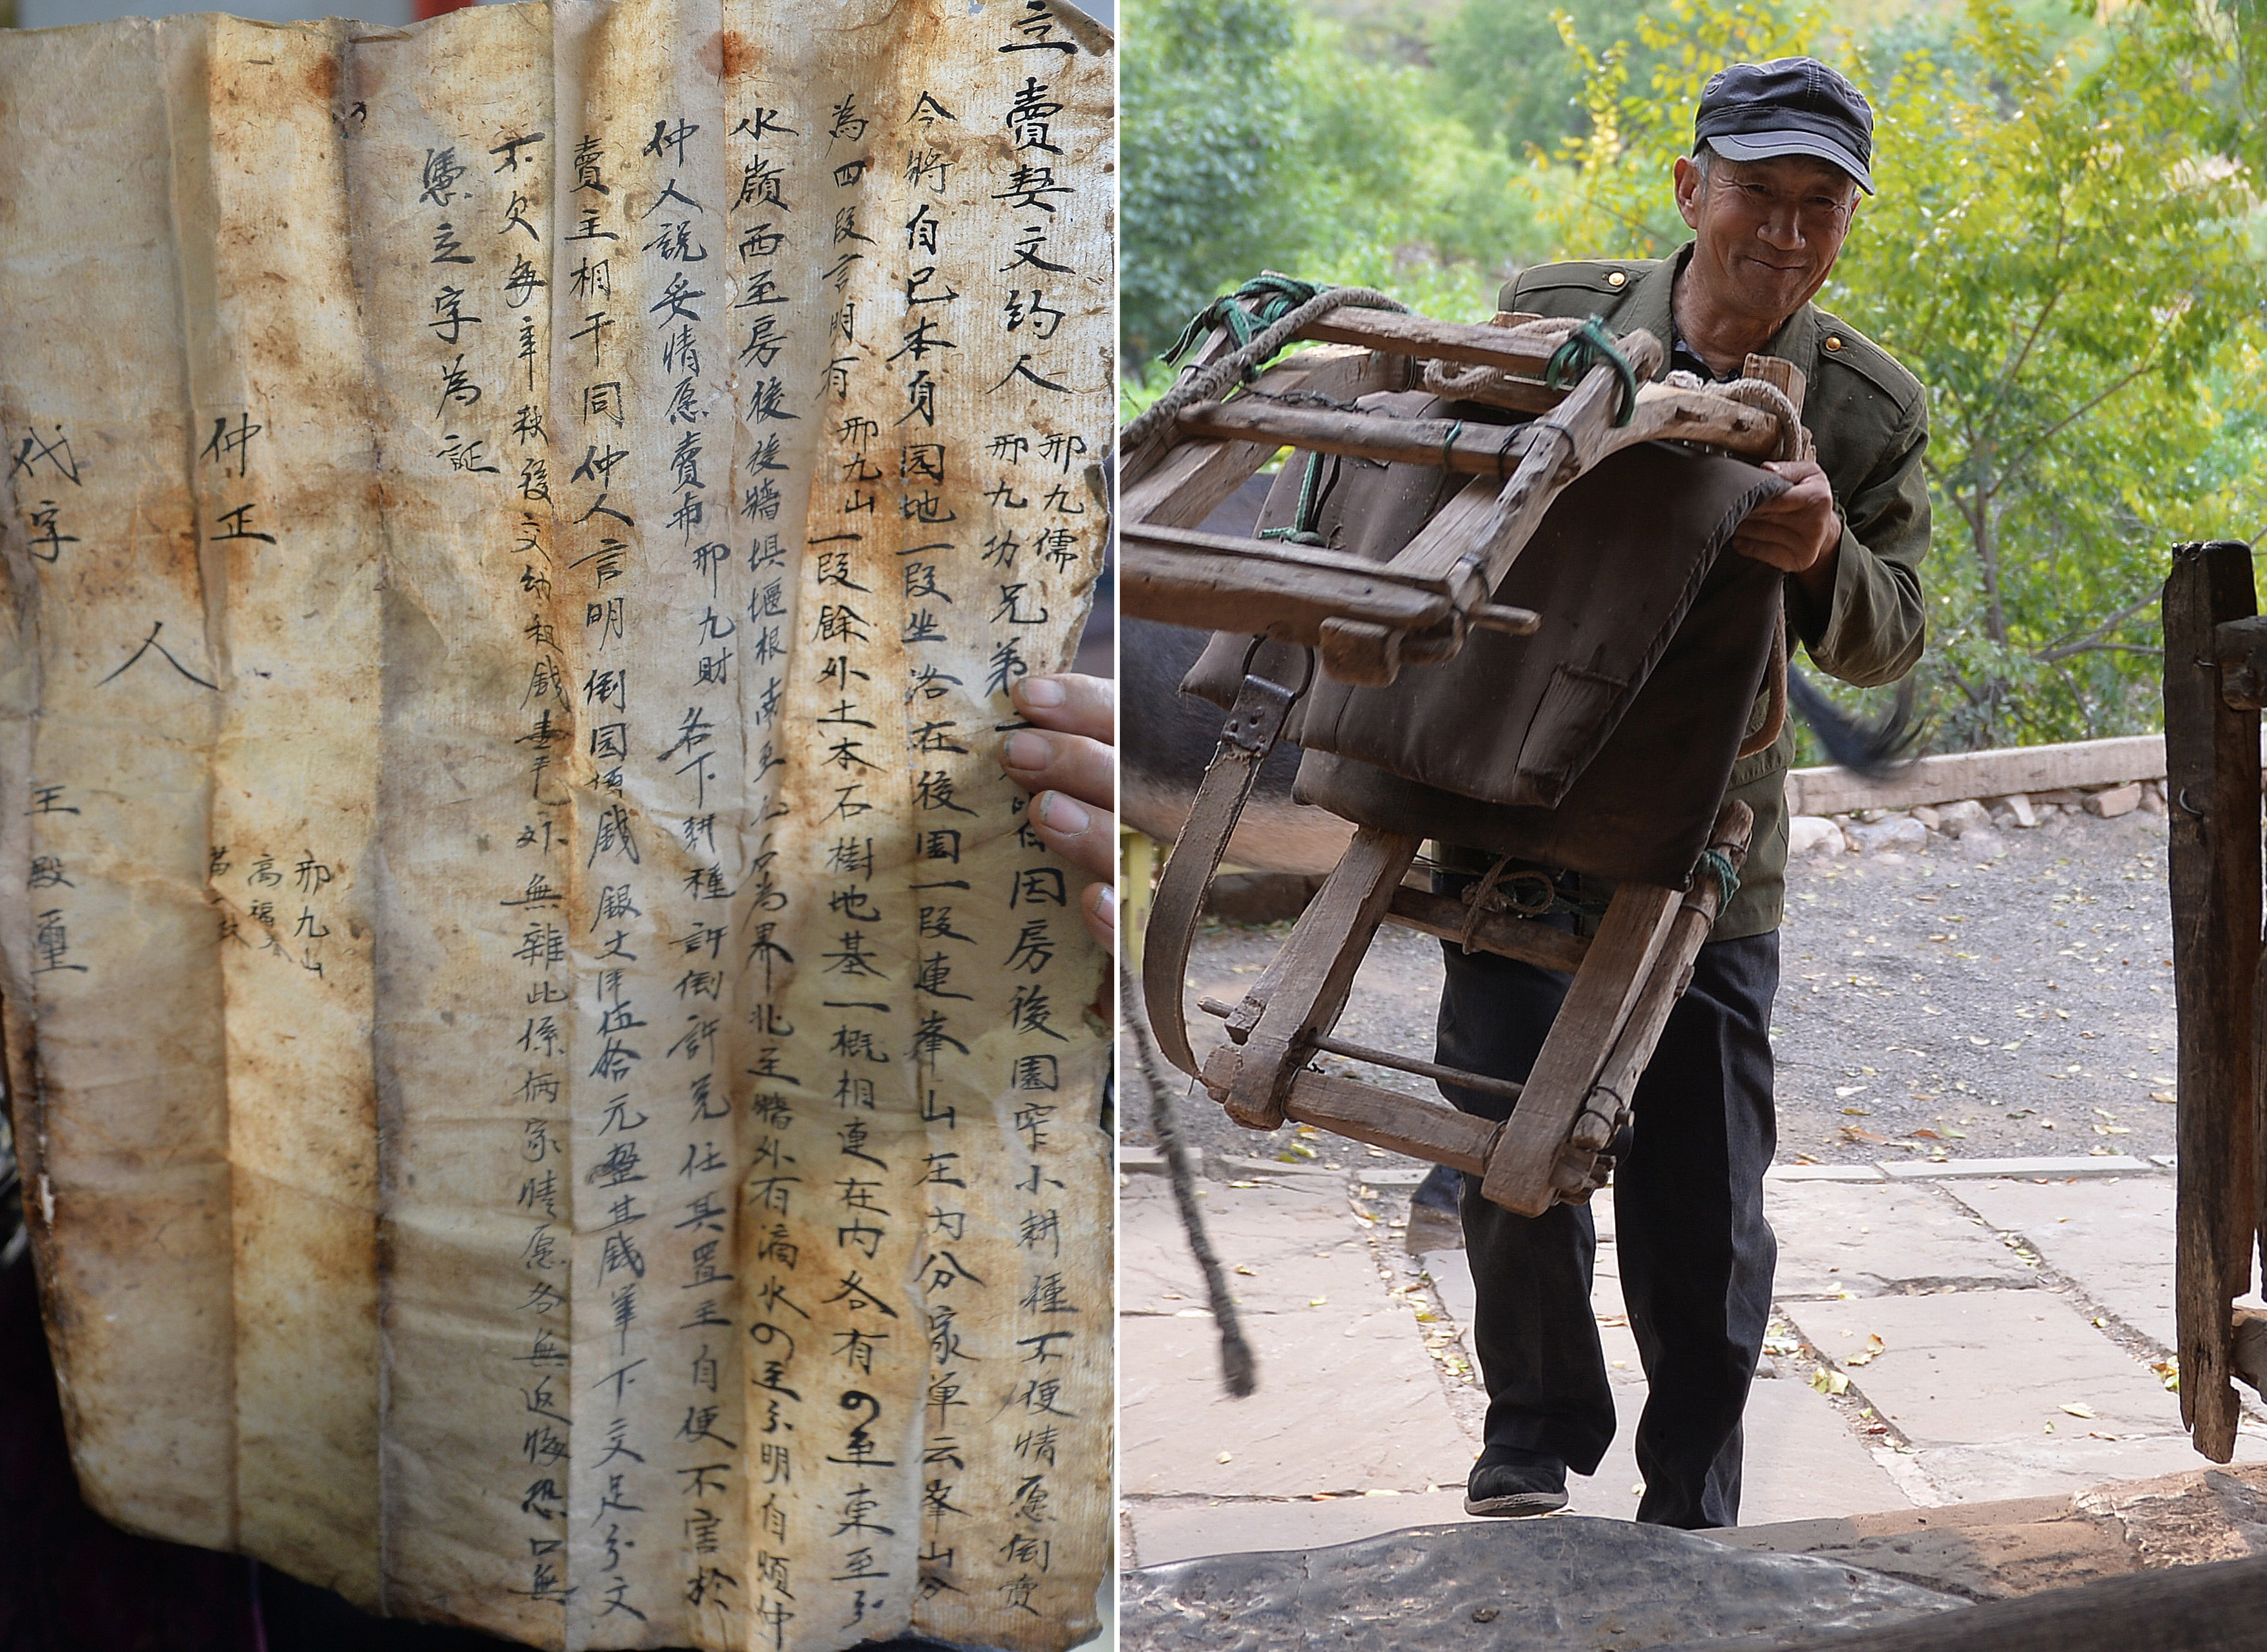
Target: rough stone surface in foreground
1568	1584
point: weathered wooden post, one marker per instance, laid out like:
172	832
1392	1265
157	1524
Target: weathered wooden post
2211	758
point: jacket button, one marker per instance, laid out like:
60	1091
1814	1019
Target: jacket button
1833	340
1616	278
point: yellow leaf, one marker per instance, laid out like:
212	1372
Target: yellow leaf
2080	1411
1246	1269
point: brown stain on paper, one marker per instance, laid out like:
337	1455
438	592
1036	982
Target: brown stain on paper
730	54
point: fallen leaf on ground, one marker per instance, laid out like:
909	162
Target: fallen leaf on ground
1828	1382
2080	1411
1867	1355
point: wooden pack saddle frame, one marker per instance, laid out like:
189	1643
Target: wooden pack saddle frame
1365	621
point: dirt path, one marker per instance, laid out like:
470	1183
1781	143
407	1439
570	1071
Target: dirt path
1930	1004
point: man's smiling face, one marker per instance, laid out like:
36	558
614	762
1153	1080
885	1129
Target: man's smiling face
1767	233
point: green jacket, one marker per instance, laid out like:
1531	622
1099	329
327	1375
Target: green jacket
1870	419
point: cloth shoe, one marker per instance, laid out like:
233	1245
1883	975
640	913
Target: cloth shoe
1514	1483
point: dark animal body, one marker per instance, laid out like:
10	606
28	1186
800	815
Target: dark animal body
1166	738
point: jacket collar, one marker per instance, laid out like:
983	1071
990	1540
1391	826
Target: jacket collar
1647	306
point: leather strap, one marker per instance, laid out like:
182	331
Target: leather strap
1255	722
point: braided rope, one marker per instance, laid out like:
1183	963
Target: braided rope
1551	333
1763	395
1208	384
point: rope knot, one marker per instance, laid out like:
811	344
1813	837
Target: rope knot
1261	301
1589	346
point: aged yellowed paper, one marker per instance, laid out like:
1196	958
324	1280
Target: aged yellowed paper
555	1085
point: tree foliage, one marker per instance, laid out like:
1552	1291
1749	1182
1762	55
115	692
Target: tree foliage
1252	139
2060	252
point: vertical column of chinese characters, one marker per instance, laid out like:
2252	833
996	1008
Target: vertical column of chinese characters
843	1333
685	734
234	508
55	513
447	183
936	248
597	423
658	760
776	347
1016	1277
862	969
517	266
293	594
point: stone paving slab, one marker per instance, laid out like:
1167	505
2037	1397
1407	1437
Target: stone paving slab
2114	1240
1823	1173
1988	1367
1801	1458
2029	1468
1803	1462
1166	1530
1868	1239
1298	1237
1348	1401
1329	1340
1949	1169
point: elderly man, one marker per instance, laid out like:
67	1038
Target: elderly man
1779	161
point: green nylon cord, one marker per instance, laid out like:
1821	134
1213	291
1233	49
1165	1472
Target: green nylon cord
1586	347
1261	301
1304	531
1718	865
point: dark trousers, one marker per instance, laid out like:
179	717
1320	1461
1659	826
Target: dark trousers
1696	1254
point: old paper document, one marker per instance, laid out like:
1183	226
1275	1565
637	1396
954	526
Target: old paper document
555	1084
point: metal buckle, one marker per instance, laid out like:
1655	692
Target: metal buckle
1262	707
1257	716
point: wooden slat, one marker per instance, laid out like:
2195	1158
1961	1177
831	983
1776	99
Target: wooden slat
1665	983
1661	414
2240	648
1777	370
1596	1006
2211	756
1588	415
1500	933
1335	371
1188	483
1387	1119
1310	988
1223	590
1470	449
1459	341
1369	1113
1282	552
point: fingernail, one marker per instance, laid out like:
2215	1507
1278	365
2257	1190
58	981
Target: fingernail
1061	814
1040	691
1026	751
1107	904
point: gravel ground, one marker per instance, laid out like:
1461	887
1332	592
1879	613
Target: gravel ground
1932	1004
